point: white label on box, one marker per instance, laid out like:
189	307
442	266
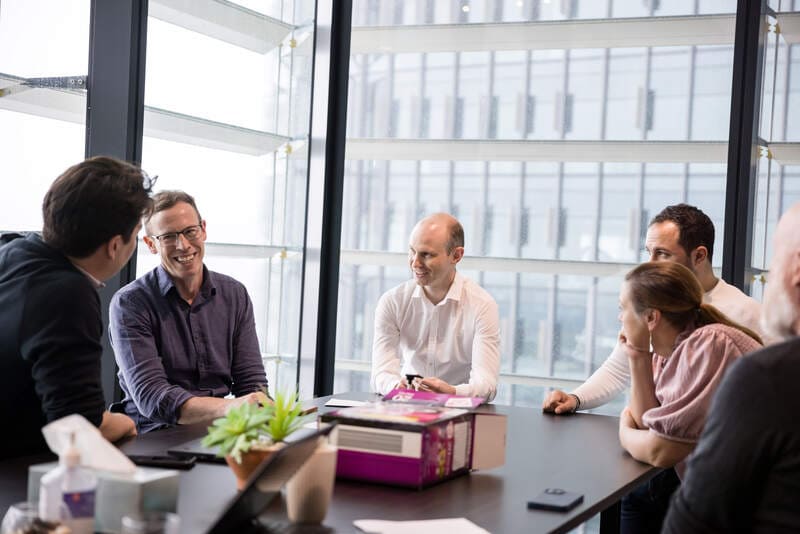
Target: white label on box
456	402
460	442
378	440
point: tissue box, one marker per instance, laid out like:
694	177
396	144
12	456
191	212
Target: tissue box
412	445
119	495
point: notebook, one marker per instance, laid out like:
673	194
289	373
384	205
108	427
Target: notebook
241	514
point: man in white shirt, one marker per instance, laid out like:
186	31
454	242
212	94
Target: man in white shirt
683	234
439	325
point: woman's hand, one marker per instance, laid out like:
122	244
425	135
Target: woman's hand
636	348
626	419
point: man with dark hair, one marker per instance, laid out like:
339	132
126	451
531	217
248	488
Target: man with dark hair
440	326
743	475
184	336
50	317
695	228
683	234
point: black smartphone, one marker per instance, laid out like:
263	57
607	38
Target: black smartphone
166	462
555	499
410	378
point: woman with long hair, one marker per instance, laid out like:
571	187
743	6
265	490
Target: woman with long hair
678	349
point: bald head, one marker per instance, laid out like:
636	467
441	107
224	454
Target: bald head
435	247
781	310
443	225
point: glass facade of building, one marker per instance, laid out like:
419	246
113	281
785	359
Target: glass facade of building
554	131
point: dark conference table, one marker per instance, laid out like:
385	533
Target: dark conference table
579	453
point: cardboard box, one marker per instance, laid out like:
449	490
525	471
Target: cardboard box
414	445
147	490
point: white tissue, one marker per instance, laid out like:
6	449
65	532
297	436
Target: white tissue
96	451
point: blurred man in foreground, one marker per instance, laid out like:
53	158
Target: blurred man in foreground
744	474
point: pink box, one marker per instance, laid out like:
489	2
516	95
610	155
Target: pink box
414	445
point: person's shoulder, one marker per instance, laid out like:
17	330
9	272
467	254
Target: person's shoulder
721	334
400	291
397	298
144	285
475	292
725	293
57	277
228	287
224	281
777	359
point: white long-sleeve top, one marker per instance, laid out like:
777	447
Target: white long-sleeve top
456	340
614	375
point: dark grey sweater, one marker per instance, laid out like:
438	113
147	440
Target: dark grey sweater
50	352
744	475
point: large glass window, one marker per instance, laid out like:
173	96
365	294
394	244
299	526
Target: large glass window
44	50
777	185
227	100
554	131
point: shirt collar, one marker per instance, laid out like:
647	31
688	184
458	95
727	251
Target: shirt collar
95	282
454	293
165	282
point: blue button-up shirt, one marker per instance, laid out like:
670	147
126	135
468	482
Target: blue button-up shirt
169	351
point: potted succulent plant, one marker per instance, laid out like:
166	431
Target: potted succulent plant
250	433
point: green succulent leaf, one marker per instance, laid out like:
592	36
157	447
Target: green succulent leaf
247	424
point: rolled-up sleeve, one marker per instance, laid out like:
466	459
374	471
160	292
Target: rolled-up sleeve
142	372
247	369
386	361
485	368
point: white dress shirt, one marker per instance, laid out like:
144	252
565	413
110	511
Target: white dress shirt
614	375
456	340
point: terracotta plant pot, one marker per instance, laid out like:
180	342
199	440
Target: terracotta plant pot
250	461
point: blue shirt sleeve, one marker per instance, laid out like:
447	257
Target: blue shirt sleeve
141	367
247	368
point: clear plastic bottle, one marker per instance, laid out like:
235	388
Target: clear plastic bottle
67	493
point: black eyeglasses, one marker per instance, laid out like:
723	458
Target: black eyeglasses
191	233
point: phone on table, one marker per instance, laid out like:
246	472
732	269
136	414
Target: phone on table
410	380
555	499
165	462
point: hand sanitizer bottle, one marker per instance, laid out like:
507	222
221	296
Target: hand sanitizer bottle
67	493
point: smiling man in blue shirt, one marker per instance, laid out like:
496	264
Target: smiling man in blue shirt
184	337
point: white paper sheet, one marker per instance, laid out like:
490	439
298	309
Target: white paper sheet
344	403
433	526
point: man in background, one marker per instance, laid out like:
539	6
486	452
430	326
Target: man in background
440	325
744	474
683	234
50	317
184	337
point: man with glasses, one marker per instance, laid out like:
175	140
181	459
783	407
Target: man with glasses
184	337
50	316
